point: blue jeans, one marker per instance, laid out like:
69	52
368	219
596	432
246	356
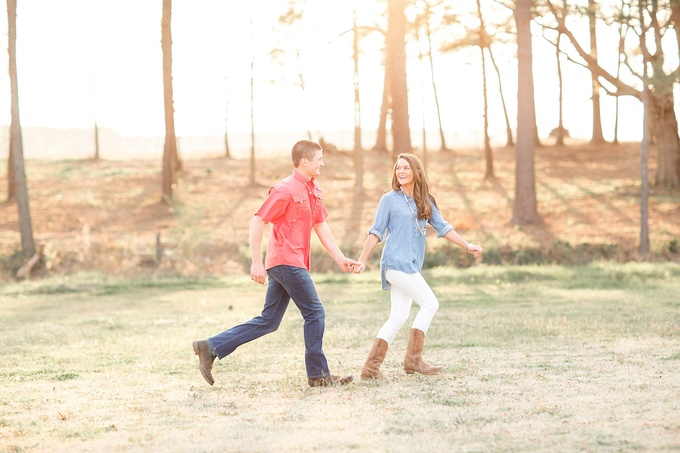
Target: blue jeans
285	283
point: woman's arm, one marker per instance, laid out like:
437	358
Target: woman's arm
370	243
455	238
323	231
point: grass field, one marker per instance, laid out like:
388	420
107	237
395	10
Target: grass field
535	359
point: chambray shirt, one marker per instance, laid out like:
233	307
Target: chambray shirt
394	222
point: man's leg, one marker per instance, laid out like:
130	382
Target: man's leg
299	285
275	305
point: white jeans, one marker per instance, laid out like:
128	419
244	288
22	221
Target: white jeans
406	288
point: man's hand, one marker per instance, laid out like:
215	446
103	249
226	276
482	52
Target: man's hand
257	273
347	265
359	268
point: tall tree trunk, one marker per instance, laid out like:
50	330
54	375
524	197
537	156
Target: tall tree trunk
508	128
96	123
11	180
525	207
358	149
421	58
597	116
16	143
396	49
227	151
619	61
488	153
442	139
665	132
559	133
643	247
169	179
483	44
252	110
381	133
96	140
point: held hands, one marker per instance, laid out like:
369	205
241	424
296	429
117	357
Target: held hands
359	267
347	265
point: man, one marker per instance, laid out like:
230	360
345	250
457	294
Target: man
294	207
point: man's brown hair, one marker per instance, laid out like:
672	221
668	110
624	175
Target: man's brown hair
303	149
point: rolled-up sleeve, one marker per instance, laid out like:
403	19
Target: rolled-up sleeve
438	223
382	219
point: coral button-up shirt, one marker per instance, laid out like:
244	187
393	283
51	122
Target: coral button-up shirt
293	207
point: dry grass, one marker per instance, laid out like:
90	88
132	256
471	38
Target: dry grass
536	359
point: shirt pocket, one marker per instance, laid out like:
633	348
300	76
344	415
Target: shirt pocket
301	208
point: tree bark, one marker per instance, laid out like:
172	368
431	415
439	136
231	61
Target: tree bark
170	156
252	112
483	44
597	137
525	206
11	180
510	141
664	127
396	49
16	142
428	34
381	133
358	149
559	133
643	246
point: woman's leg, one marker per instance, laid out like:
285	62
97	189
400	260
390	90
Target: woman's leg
414	286
400	307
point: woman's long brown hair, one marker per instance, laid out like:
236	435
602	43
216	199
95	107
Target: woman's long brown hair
421	188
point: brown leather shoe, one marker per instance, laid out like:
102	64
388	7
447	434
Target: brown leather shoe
326	381
205	360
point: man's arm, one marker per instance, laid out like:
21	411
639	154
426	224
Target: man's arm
257	272
323	231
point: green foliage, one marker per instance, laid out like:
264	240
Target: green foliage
558	252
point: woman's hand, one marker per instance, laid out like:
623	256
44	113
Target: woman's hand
474	250
359	267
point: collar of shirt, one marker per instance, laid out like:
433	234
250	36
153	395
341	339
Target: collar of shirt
310	184
302	178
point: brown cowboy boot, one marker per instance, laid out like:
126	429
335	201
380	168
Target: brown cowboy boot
326	381
413	362
375	359
205	360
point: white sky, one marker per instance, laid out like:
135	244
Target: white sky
76	57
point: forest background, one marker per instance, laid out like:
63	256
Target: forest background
580	192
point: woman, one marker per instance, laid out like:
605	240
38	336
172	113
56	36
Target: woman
401	219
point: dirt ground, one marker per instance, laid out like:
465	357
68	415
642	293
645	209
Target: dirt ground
108	215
